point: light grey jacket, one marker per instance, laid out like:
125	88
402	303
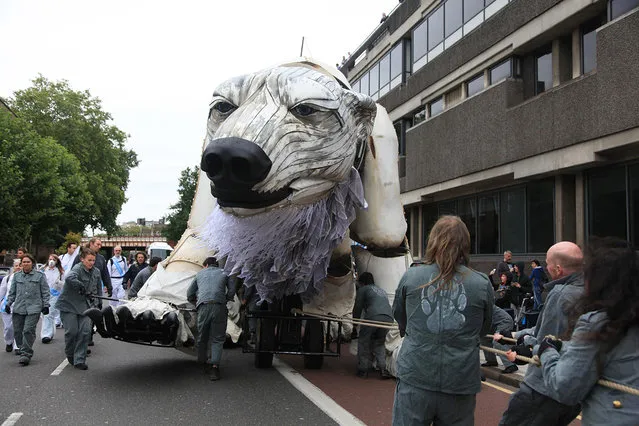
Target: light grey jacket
571	377
553	319
211	285
443	327
29	293
139	281
78	284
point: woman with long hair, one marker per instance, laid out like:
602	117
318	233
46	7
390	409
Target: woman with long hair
55	278
442	307
604	339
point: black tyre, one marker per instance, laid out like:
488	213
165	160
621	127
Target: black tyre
313	341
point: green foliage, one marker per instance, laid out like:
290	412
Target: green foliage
71	237
74	121
180	211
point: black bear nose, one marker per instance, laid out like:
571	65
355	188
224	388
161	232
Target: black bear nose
235	163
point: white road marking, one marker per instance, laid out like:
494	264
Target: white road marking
60	367
315	394
12	419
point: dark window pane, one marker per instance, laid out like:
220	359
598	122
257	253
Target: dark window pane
407	216
500	72
488	2
419	116
619	7
373	79
435	28
488	224
541	216
472	8
436	107
448	208
513	224
396	61
429	217
454	16
356	86
420	38
384	71
634	203
607	203
475	85
543	73
468	214
589	51
364	84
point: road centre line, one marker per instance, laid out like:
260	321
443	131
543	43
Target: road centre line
60	367
12	419
316	395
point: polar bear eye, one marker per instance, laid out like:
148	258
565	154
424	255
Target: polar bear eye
303	110
224	107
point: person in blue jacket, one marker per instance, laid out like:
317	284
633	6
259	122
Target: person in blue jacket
604	342
442	309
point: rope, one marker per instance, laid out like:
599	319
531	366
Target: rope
535	361
507	339
370	323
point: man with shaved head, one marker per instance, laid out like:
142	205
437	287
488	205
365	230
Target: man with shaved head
531	404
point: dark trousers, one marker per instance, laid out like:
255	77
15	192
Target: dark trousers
24	329
527	407
211	327
371	343
77	334
415	406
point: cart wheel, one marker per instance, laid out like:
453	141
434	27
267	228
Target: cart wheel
313	341
265	341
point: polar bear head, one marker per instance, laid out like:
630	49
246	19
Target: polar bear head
283	136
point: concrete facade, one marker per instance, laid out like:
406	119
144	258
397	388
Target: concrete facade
507	134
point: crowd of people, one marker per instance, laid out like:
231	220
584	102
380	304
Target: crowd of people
61	292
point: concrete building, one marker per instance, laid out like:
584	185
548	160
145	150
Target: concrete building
520	116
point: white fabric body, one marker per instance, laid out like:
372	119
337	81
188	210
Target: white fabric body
67	260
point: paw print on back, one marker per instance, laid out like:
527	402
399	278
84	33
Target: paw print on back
444	308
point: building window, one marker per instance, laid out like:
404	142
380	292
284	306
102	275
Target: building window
475	85
420	41
436	106
396	65
607	203
384	71
418	116
364	84
500	71
435	28
619	7
543	71
540	218
454	16
633	175
373	79
448	208
513	209
468	214
488	229
429	217
355	86
472	8
589	44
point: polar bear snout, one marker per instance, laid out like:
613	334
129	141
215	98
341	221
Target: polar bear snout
234	166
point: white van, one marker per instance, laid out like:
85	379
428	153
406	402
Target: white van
161	250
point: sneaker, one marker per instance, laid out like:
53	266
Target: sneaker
215	373
82	366
510	369
46	340
18	352
361	373
70	360
385	374
9	348
489	364
58	326
24	360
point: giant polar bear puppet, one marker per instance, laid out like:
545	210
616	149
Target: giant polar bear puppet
295	165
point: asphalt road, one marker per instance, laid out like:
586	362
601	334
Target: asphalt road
132	384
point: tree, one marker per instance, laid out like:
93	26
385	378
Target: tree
71	237
180	211
77	122
41	187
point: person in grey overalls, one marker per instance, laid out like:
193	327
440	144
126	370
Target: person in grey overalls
210	290
371	340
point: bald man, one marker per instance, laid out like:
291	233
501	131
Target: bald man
531	405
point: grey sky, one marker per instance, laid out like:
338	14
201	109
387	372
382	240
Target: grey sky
154	64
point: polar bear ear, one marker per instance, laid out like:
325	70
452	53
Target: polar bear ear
364	111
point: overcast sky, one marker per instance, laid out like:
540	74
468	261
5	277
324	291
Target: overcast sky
154	64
